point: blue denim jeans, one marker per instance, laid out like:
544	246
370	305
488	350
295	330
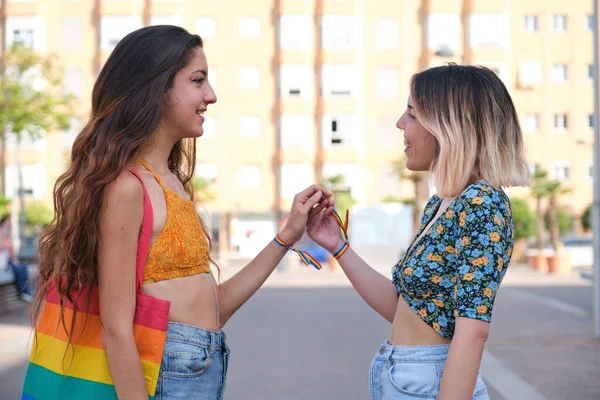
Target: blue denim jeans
412	372
194	364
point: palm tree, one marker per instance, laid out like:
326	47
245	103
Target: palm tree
341	194
554	189
539	190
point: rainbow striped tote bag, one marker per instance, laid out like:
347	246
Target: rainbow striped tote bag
58	371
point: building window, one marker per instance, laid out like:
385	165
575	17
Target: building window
389	134
250	126
176	20
206	27
530	23
559	170
249	27
209	127
530	123
249	176
341	80
590	71
443	32
113	28
489	30
296	131
560	122
341	31
295	32
295	80
530	73
591	121
72	81
249	77
387	82
28	31
590	22
559	23
72	32
388	34
295	177
559	73
590	170
338	130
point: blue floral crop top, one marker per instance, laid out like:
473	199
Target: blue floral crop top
456	267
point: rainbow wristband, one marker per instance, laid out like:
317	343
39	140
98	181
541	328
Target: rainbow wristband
338	254
306	258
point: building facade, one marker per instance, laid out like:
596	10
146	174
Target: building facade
310	89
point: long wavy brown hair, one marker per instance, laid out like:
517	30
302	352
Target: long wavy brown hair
127	103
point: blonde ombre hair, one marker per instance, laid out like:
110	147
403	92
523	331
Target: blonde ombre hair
472	116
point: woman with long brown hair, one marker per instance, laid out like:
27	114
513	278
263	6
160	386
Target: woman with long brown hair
148	109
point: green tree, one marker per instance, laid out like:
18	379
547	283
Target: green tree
31	103
539	191
564	220
586	219
523	217
4	205
37	216
555	189
202	190
341	193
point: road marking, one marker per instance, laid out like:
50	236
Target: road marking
510	385
547	301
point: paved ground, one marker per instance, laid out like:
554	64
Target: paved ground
308	335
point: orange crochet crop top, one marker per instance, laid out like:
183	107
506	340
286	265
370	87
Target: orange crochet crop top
182	248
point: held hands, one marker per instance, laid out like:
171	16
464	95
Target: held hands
303	207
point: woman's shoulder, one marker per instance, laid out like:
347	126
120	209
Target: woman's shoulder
482	195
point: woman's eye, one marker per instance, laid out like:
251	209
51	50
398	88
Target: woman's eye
198	80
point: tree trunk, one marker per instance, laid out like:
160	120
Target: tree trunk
539	224
553	222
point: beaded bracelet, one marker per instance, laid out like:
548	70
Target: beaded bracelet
306	258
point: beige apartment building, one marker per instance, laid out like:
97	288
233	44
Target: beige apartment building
312	88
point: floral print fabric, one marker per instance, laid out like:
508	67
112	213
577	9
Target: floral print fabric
455	269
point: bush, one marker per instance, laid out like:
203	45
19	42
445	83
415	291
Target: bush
565	221
586	219
37	216
523	217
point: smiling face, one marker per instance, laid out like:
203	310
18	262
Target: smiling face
420	145
188	99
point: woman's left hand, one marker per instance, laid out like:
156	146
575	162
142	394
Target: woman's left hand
301	206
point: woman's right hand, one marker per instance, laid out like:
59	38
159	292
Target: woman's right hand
323	228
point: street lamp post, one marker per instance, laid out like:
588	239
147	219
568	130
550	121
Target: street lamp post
596	168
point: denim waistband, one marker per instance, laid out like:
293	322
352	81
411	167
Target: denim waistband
429	353
184	333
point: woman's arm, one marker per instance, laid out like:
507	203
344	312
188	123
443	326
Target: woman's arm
377	290
464	359
237	290
120	224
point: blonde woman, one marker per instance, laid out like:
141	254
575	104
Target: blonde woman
460	124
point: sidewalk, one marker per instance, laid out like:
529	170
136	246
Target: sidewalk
540	345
